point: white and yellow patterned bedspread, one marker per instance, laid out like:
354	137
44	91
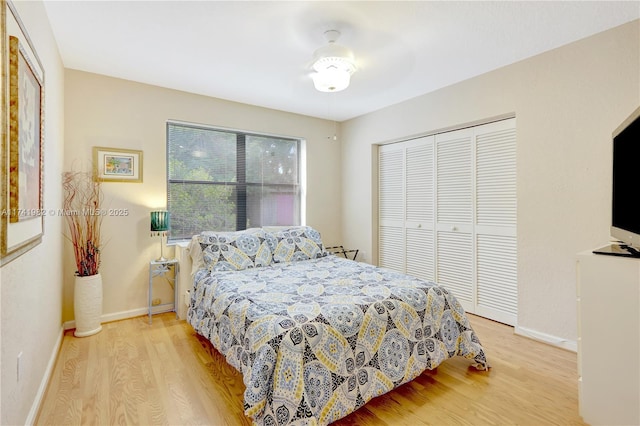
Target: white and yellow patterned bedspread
316	339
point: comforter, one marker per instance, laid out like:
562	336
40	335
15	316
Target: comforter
316	339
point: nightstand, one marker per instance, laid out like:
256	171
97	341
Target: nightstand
162	268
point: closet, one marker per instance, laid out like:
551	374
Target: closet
447	213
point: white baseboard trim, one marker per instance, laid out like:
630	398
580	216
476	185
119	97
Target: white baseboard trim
37	401
117	316
570	345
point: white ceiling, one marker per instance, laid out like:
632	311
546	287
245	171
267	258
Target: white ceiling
259	52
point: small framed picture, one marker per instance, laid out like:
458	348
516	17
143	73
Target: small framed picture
117	165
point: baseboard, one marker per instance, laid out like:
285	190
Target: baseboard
570	345
117	316
35	406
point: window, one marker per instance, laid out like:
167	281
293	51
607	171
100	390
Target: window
225	180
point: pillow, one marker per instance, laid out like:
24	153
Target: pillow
235	251
296	243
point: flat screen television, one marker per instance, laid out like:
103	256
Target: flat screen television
625	203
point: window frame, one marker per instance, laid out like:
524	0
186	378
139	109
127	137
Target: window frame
241	186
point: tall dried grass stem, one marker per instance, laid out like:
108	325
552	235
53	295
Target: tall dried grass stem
82	200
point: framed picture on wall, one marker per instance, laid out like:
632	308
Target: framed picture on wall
117	165
25	133
22	138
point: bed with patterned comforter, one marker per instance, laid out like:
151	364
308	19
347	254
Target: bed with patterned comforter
317	338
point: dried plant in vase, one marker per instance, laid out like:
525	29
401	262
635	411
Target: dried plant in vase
82	200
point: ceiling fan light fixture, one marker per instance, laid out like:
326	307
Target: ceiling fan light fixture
332	74
333	65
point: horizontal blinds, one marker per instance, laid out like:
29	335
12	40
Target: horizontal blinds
201	155
223	180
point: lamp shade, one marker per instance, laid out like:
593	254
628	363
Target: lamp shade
160	221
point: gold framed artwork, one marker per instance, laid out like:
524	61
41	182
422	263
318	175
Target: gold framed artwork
22	166
117	165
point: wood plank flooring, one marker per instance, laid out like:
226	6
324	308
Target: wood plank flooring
133	373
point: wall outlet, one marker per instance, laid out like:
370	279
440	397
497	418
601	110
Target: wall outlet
19	366
156	302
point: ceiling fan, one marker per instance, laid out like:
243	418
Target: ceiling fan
333	64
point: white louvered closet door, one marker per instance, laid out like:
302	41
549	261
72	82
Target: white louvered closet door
448	213
419	219
496	214
454	214
391	244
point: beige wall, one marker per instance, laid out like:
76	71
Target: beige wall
104	111
31	285
566	102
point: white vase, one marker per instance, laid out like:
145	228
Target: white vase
87	305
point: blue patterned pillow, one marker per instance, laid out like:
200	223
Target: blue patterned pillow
235	251
296	243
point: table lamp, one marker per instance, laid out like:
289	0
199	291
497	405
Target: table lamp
159	227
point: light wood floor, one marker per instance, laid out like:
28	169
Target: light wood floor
133	373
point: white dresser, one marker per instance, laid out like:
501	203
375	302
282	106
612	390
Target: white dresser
608	293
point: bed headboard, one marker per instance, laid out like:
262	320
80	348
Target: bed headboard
191	258
185	281
186	252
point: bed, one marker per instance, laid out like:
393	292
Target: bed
315	335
